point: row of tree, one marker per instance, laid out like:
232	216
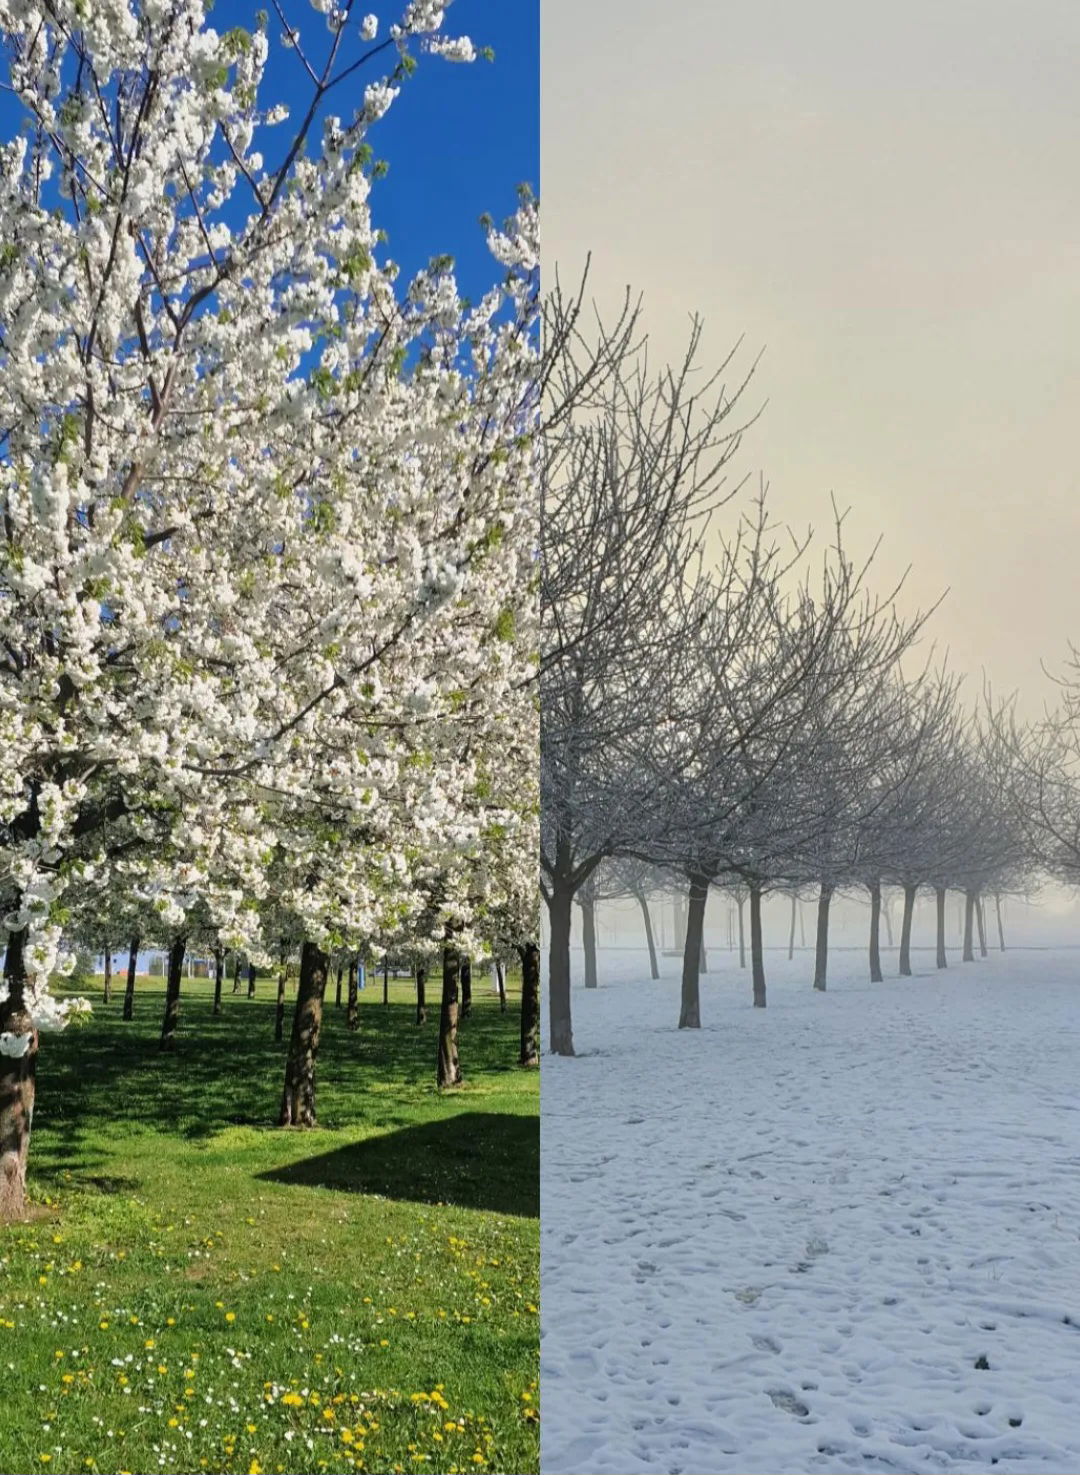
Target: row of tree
267	525
737	707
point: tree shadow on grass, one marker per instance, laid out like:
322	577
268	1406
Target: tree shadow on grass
478	1160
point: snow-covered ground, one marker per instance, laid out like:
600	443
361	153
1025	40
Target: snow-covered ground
842	1233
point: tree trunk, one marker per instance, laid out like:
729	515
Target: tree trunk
500	984
352	1008
129	990
643	902
1001	929
690	1003
886	917
742	934
298	1098
821	941
421	994
172	993
905	930
791	934
236	974
757	948
980	918
252	974
465	976
875	932
449	1071
17	1074
219	977
386	980
703	960
969	927
942	962
106	992
588	934
530	1005
279	1012
340	971
561	1034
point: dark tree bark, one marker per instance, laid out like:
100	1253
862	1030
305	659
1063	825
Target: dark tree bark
875	932
530	1005
298	1098
129	990
561	1035
17	1076
742	933
236	973
1001	929
421	995
821	941
279	1012
905	930
252	975
500	983
340	972
690	1003
940	893
703	959
969	927
980	918
886	917
352	1010
757	948
643	902
588	934
172	993
465	976
219	977
791	934
386	980
106	992
448	1069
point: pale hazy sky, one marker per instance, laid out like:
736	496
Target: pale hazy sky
887	199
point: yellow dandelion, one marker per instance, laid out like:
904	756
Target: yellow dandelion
230	1316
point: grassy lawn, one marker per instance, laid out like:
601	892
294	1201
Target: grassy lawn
203	1291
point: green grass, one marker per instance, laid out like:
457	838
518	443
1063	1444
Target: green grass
202	1291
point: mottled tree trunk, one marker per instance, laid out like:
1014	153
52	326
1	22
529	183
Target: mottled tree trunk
386	980
279	1012
236	973
352	1008
500	983
742	933
757	949
172	992
821	941
17	1074
530	1005
940	893
449	1070
465	975
886	917
875	932
106	992
980	918
905	930
252	975
132	968
421	994
219	977
561	1035
791	933
968	955
643	902
340	975
1000	927
588	936
690	1002
298	1098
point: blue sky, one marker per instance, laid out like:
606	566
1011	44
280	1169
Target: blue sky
459	139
